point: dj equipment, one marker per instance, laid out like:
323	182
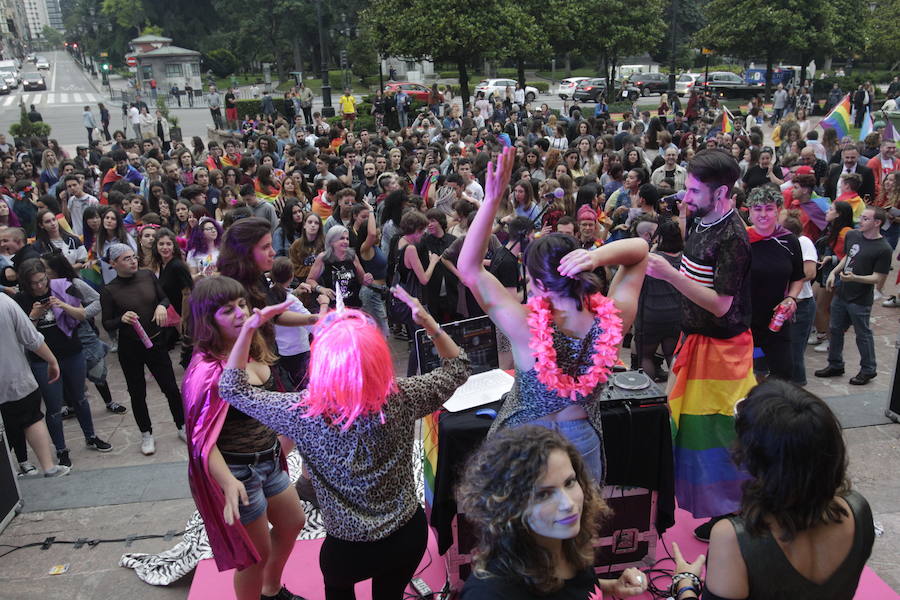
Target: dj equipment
634	388
10	496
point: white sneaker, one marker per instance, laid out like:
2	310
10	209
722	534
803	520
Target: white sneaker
822	347
182	434
148	446
813	338
878	295
58	471
891	302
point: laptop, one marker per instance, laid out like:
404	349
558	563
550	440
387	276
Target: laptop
478	337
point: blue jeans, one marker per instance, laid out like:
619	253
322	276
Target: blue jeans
373	305
261	481
844	314
72	375
584	437
892	235
800	329
776	116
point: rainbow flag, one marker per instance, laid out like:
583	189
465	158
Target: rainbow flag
868	125
711	375
727	120
839	117
429	457
266	194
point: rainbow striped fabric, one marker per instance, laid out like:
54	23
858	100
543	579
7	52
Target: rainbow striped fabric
430	457
727	120
839	117
711	375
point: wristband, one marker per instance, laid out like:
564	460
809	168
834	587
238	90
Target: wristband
792	298
695	583
688	588
431	336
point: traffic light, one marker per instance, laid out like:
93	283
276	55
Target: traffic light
105	67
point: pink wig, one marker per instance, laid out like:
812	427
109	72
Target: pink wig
351	372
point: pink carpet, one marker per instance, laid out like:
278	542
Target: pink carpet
303	577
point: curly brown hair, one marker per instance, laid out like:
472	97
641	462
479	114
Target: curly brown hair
496	491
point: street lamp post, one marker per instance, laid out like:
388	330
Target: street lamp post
673	60
327	109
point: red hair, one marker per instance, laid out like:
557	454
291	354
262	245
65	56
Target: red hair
351	372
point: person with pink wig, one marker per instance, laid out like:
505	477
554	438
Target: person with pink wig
354	426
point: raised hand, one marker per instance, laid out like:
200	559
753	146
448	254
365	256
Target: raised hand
498	173
262	316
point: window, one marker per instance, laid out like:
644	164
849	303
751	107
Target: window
174	70
195	69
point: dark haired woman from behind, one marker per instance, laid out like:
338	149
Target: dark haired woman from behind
566	339
840	222
536	509
658	322
802	532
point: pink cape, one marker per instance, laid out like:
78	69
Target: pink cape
204	414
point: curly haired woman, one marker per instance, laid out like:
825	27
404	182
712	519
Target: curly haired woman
530	497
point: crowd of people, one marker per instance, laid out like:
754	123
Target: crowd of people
282	260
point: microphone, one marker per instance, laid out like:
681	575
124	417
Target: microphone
672	200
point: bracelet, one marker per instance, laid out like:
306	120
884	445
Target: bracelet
695	583
431	336
688	588
792	298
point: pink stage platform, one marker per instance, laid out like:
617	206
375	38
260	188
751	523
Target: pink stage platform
303	577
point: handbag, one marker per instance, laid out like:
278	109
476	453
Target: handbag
173	319
398	311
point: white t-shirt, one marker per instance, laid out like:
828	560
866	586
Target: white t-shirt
475	190
808	250
202	260
292	340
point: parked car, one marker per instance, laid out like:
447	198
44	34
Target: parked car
590	90
567	86
685	82
33	81
4	88
30	57
42	63
497	87
10	76
650	83
726	85
416	91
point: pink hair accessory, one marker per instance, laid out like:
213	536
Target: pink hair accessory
605	347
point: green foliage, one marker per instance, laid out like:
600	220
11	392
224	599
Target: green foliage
128	14
821	87
254	107
52	36
149	29
882	34
222	61
25	129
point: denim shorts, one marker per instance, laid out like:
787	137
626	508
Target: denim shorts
261	481
584	437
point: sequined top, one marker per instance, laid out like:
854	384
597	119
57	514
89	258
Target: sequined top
529	400
363	476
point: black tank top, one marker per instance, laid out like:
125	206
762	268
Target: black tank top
772	577
344	272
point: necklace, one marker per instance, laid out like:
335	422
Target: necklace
701	226
569	385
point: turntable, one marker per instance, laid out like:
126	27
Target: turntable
634	387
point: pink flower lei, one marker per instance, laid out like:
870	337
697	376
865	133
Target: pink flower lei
606	347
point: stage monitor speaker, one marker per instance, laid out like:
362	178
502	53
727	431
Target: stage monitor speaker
892	411
10	496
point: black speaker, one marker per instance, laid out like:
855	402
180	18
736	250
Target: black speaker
892	411
10	497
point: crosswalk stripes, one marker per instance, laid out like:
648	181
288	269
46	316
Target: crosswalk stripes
49	98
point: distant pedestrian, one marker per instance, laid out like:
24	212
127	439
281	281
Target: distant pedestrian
231	112
268	107
104	121
134	115
189	92
153	89
34	116
176	93
214	102
306	101
89	123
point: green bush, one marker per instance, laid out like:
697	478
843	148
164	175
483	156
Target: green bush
254	107
542	86
222	61
849	83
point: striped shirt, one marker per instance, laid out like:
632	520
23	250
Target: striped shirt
718	257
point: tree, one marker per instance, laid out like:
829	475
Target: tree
616	29
128	14
882	33
442	33
52	36
748	28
